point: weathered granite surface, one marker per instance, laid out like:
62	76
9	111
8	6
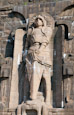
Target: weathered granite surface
63	53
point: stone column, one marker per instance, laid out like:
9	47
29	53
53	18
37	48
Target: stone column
57	68
18	47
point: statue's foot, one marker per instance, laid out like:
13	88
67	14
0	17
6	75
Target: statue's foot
31	102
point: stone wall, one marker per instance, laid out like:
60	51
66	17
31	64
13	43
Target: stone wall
9	23
61	112
54	8
12	17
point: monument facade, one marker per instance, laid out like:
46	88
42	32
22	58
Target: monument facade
41	81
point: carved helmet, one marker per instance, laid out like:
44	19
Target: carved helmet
47	19
42	18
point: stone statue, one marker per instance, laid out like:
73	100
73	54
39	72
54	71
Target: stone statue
39	58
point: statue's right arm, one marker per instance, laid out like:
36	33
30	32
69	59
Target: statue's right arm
27	44
29	32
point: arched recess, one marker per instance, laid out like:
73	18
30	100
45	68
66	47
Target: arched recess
68	7
16	21
66	21
17	15
67	13
66	29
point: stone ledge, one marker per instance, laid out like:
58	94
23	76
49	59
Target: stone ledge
4	8
53	111
61	111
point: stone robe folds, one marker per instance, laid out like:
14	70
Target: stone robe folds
35	40
39	59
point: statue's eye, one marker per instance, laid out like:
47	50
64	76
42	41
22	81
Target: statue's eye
40	19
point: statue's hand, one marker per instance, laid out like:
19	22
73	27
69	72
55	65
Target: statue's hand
24	54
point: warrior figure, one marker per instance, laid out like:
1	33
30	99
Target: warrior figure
39	57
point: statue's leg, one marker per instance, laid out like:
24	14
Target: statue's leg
47	76
35	80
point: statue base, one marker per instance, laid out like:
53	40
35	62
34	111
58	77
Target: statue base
39	107
32	107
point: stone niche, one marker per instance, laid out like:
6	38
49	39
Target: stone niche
31	112
7	38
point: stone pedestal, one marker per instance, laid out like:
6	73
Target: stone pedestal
32	107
